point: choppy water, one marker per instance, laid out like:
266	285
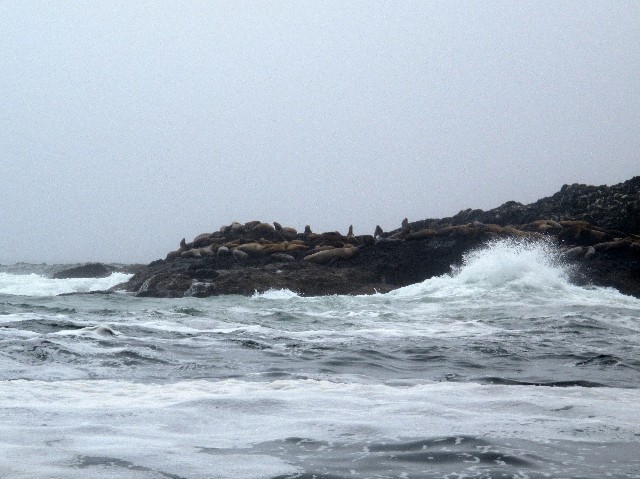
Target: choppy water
503	369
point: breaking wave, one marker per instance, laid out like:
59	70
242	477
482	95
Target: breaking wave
37	285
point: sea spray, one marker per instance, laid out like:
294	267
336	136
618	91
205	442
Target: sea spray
514	264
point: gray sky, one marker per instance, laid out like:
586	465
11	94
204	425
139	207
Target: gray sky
129	125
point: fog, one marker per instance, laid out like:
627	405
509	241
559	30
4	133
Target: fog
127	126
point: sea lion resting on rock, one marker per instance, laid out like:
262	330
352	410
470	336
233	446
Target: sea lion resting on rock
332	254
201	240
191	253
173	254
239	254
287	232
251	248
404	231
283	257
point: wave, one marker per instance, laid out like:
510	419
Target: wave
509	269
37	285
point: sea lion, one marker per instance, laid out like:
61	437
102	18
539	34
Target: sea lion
201	240
276	247
249	225
183	244
239	255
307	230
378	233
283	257
237	227
251	248
223	251
191	253
263	230
350	233
173	254
200	236
405	229
288	232
331	238
422	234
323	248
331	255
277	226
575	252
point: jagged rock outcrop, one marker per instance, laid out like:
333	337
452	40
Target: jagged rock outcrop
614	208
596	228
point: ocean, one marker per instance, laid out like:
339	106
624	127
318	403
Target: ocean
502	369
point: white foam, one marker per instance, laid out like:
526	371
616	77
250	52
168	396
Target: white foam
140	423
36	285
99	331
515	264
276	294
510	270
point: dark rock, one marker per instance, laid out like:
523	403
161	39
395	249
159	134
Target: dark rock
165	285
89	270
205	273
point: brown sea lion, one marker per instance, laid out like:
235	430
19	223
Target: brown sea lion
331	255
289	233
251	248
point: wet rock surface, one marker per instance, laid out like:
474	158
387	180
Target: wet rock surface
89	270
597	228
95	270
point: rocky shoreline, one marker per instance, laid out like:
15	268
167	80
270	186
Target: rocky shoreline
597	228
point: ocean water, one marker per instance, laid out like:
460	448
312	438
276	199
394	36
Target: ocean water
502	369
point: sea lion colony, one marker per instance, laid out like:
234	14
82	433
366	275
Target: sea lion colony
596	228
256	238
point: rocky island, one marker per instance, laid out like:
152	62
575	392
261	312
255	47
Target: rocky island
596	228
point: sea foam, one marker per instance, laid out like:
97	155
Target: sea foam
37	285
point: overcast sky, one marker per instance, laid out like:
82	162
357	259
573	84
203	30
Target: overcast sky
126	126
